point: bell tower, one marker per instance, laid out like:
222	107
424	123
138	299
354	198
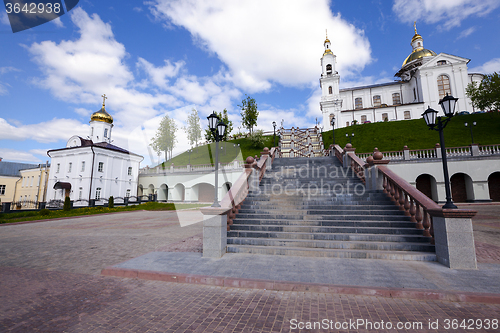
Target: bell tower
329	83
101	124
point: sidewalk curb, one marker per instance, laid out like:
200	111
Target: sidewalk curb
420	294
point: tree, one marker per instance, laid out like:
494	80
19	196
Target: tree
193	128
486	96
164	140
209	136
249	113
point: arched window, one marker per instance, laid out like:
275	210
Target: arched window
443	82
396	99
358	103
328	69
105	132
376	101
330	90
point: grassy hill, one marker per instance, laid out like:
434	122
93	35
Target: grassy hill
386	136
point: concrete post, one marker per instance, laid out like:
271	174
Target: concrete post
214	236
474	149
406	153
454	238
438	151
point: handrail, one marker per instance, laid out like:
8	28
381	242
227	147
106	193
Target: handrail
357	166
417	205
338	153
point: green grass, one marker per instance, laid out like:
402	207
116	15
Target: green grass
394	135
31	216
230	151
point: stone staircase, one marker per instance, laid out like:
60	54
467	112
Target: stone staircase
315	207
297	142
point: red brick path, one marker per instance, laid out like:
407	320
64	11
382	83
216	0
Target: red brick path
44	301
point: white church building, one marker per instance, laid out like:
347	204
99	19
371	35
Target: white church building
424	78
92	167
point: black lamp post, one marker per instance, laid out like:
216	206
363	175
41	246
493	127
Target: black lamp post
470	126
350	137
274	135
333	129
218	129
448	105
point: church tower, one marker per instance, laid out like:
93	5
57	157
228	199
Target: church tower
101	124
329	82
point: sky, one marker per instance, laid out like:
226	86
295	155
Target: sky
159	57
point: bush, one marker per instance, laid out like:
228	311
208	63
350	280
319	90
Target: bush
257	139
111	202
67	204
44	212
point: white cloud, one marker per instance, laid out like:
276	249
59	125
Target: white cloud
58	23
4	18
13	155
42	152
84	112
45	132
3	89
488	67
449	13
159	75
4	70
268	41
466	33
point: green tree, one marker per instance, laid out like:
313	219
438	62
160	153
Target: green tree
111	202
67	204
249	113
164	140
224	117
193	128
486	95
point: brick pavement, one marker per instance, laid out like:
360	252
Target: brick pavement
49	301
48	283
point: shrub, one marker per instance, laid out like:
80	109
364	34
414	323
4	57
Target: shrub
111	202
67	204
257	139
44	212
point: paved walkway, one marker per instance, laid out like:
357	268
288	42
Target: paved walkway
49	282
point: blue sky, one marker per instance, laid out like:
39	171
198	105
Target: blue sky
159	56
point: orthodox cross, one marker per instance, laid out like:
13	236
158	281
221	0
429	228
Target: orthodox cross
104	98
415	26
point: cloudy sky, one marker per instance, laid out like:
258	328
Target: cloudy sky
169	56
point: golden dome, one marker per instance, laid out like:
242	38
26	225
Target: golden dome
101	115
417	36
328	51
417	54
327	40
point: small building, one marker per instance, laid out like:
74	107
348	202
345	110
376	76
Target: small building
92	167
21	181
423	80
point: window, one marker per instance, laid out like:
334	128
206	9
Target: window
92	131
441	62
2	189
83	166
330	90
58	168
105	132
328	69
98	193
363	119
407	115
385	117
32	180
414	94
24	180
443	82
70	166
396	99
358	103
80	193
127	195
129	171
100	167
376	101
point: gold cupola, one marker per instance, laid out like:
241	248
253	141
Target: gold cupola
327	44
417	43
102	115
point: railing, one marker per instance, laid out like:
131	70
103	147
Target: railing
24	204
458	151
338	153
413	202
489	150
421	154
357	166
234	165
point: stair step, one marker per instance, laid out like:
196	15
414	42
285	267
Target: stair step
353	254
387	230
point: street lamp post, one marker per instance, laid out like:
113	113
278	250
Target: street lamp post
218	129
274	134
470	126
333	129
350	137
448	105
